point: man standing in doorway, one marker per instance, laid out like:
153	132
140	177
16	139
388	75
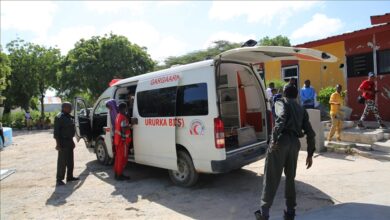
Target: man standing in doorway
64	130
122	141
292	123
336	101
368	89
307	95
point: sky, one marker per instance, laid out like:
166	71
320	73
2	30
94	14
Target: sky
172	28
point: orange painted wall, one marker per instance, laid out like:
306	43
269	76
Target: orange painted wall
321	77
272	70
314	71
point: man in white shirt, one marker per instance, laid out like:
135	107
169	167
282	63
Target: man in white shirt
271	86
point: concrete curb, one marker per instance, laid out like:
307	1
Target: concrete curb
382	146
372	155
357	149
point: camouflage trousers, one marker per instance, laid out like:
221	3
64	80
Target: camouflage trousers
371	107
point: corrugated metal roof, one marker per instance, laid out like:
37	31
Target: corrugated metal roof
52	100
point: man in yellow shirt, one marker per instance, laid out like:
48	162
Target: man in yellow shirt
336	101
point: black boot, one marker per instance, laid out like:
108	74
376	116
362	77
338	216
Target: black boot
125	177
290	215
70	179
60	183
259	216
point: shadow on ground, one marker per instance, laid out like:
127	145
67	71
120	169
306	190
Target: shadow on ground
233	195
356	211
61	193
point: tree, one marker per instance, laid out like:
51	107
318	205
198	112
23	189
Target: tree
23	75
276	41
46	65
212	51
93	63
5	71
34	70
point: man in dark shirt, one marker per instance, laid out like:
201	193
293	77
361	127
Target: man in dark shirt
292	123
64	130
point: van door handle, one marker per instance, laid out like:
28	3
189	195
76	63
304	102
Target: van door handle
134	121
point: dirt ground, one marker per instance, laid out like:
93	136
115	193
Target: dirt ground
30	193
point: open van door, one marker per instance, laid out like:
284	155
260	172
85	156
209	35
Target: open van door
154	134
252	55
82	121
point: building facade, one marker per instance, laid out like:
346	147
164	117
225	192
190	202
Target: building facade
359	52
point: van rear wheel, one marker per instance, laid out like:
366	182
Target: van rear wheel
101	153
186	174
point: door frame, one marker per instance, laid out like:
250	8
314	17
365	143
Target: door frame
77	100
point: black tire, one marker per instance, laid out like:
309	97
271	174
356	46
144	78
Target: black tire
186	174
101	153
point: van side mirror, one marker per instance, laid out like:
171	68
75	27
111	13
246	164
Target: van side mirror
134	121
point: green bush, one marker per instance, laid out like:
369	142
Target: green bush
6	120
19	123
279	84
16	119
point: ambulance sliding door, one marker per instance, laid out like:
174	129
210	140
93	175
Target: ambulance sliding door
155	133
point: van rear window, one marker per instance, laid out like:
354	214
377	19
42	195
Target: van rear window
191	100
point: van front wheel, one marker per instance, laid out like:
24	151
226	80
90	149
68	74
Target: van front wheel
186	174
101	153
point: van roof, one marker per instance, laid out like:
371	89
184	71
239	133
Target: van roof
249	55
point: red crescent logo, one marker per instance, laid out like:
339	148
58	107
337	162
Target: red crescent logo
195	129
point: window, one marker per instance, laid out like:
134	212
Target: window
384	62
101	107
289	73
359	65
192	100
157	102
223	80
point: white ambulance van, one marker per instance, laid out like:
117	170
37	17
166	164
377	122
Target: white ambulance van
206	117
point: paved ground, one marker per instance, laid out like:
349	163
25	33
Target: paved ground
31	192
